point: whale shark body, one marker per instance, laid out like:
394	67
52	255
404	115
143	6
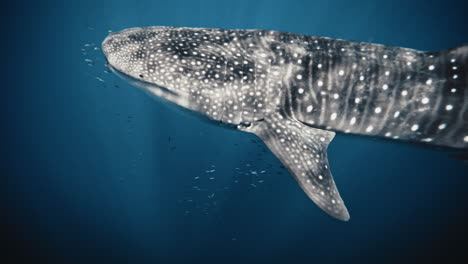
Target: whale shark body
294	91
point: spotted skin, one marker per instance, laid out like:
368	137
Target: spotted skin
303	150
294	91
384	91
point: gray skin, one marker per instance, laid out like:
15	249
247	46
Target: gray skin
294	91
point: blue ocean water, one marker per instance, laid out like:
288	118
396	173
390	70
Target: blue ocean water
95	171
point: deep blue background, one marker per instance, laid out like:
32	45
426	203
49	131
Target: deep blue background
98	172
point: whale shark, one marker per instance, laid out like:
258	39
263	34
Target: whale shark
296	91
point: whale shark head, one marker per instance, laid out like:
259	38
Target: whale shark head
171	63
148	58
217	73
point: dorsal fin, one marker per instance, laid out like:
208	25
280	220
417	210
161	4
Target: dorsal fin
303	151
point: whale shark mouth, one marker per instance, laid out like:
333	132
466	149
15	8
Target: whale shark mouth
141	83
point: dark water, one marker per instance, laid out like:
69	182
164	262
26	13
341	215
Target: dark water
95	171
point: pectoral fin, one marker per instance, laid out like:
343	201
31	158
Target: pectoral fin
303	151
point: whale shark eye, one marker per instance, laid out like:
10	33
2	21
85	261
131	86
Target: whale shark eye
245	124
141	76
